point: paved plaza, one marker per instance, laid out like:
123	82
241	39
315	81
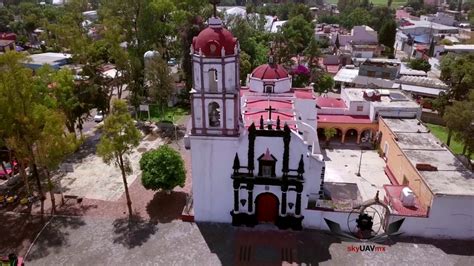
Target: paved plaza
99	241
94	179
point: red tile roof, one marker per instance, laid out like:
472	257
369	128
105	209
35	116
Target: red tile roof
330	102
267	71
277	104
344	119
392	198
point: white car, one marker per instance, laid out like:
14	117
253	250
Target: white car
99	117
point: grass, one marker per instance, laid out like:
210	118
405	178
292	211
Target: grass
173	114
442	133
395	3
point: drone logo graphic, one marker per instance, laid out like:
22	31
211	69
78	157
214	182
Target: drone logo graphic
365	221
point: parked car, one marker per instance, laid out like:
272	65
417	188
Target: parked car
172	62
99	117
9	169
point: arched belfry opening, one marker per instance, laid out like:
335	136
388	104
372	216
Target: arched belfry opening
214	114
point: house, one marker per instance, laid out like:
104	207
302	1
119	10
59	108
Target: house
440	18
355	115
443	188
380	68
358	35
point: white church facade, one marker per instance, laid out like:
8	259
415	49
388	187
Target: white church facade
255	152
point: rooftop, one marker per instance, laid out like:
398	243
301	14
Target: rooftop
392	197
55	60
421	147
330	102
344	119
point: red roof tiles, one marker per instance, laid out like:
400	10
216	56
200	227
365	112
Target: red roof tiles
270	72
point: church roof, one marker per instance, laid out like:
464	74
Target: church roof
344	119
211	41
267	71
330	102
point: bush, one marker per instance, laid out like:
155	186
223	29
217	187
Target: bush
419	64
162	168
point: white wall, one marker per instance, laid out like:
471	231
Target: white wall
212	161
315	219
449	217
362	54
282	85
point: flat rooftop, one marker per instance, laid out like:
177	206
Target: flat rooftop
389	98
421	147
53	59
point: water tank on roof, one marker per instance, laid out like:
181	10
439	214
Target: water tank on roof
369	93
407	197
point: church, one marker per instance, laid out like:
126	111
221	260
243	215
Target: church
254	149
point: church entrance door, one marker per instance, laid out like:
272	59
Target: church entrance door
267	208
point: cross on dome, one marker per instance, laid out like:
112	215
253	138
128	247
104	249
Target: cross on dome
215	3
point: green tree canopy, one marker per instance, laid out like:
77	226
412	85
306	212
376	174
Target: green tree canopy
162	168
460	119
387	34
420	64
118	139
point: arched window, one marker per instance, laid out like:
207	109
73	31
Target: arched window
213	80
214	114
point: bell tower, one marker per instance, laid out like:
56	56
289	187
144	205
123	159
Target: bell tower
215	95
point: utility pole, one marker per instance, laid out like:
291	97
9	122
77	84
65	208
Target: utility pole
360	162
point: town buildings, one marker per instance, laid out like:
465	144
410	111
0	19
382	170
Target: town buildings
256	155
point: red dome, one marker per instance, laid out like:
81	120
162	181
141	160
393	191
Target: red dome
270	72
211	40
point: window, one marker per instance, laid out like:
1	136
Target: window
213	80
214	115
360	108
268	89
266	170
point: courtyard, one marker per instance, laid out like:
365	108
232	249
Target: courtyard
342	166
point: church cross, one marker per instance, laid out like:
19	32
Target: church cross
270	109
215	3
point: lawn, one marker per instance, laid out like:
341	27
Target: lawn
173	114
395	3
442	133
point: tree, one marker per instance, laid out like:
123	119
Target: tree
245	67
296	34
328	134
118	139
459	119
323	83
21	99
355	17
419	64
53	145
387	34
458	72
312	53
160	84
162	168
